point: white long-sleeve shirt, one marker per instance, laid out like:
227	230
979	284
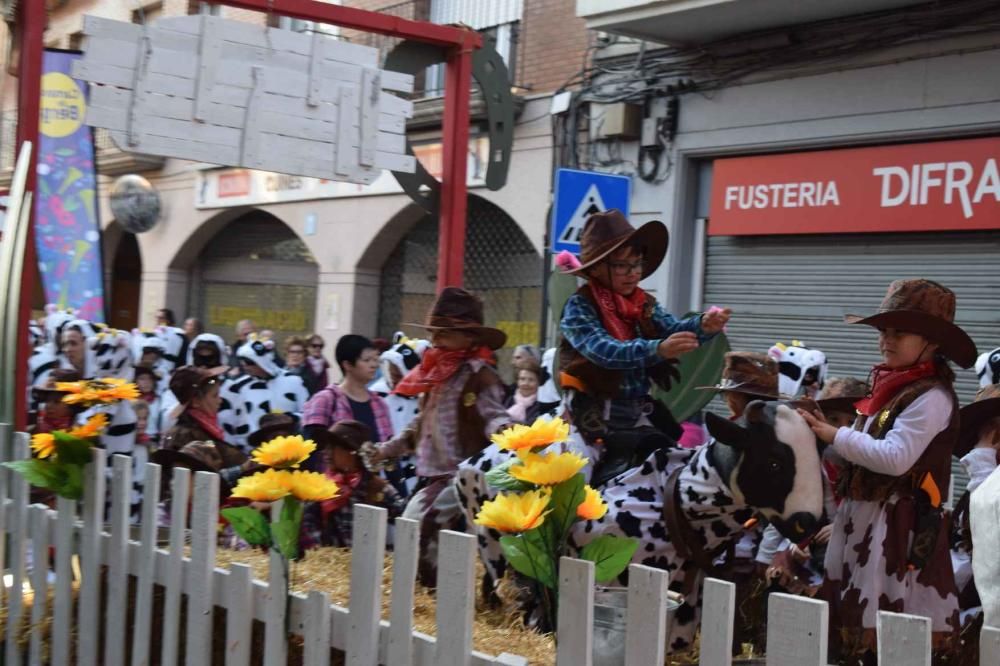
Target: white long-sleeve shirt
903	445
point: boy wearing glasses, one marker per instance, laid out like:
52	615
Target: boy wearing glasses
616	339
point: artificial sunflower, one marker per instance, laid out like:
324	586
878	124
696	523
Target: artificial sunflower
593	506
547	469
515	512
92	428
267	486
97	391
522	439
284	452
312	486
43	444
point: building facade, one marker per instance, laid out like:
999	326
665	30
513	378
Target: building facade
303	255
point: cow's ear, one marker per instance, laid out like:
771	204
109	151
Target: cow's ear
755	412
726	431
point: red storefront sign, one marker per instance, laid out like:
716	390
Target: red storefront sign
935	186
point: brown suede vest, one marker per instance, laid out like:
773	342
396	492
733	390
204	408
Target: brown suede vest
602	382
471	426
859	483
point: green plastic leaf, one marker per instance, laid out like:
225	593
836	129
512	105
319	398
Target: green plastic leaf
499	477
286	529
249	524
528	555
702	367
566	497
72	482
39	473
610	555
72	449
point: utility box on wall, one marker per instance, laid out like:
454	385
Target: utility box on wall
615	121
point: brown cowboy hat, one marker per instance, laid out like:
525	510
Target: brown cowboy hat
972	417
186	380
198	456
349	434
840	394
58	375
459	310
750	373
603	233
271	426
928	309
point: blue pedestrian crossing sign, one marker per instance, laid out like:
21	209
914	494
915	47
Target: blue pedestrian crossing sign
580	194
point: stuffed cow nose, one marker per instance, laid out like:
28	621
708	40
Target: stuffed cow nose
798	527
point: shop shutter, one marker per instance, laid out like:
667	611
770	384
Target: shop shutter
799	287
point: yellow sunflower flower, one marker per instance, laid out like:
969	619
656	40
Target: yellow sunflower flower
547	469
284	452
523	439
92	428
43	444
312	486
95	391
515	512
266	486
593	506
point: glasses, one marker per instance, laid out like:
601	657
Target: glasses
626	267
296	350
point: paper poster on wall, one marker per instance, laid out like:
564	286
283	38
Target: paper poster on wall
67	231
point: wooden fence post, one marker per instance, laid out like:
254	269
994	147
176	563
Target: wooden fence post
239	624
365	606
456	597
646	616
406	553
147	566
117	593
575	623
276	609
39	518
180	492
201	569
88	610
62	619
18	530
317	630
796	631
718	611
903	640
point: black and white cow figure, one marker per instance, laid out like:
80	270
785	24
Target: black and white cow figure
265	388
988	368
688	506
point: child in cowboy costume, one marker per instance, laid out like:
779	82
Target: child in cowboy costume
889	545
461	406
616	339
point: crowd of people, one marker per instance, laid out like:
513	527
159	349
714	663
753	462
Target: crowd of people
407	424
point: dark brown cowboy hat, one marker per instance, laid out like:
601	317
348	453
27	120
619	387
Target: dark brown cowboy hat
928	309
197	456
972	417
459	310
58	375
273	425
187	380
348	434
840	394
603	233
750	373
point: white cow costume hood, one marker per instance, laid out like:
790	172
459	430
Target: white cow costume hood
212	339
405	354
794	361
988	368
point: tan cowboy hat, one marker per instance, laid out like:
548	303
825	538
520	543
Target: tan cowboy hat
971	417
459	310
605	232
750	373
928	309
840	394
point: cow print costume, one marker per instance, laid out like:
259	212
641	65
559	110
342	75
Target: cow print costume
254	397
794	361
146	341
988	368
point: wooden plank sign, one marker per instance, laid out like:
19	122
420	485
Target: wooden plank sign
212	90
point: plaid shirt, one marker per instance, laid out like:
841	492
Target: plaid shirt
582	327
331	405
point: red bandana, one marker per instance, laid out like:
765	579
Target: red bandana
52	423
207	422
620	314
886	383
347	482
437	366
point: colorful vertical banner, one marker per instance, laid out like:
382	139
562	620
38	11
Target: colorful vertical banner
67	231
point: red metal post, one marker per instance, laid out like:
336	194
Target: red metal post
31	26
455	154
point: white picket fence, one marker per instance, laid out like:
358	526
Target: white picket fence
797	629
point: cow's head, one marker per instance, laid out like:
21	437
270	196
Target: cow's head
770	460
